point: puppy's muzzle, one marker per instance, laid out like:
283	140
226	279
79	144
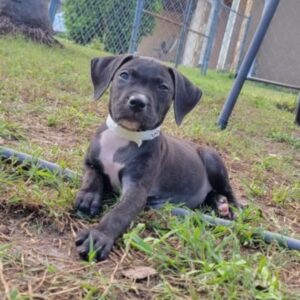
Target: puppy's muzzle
137	102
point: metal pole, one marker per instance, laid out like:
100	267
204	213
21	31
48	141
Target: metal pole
297	120
52	10
268	13
183	33
211	36
136	26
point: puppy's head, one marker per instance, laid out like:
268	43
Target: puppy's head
142	90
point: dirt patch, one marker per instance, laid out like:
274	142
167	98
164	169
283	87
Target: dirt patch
40	260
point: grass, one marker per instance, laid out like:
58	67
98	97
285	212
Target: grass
46	110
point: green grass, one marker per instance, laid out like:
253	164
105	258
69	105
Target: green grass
46	110
214	267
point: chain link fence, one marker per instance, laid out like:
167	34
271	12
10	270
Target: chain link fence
178	34
199	33
209	34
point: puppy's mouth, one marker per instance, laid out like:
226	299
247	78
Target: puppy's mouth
134	121
129	124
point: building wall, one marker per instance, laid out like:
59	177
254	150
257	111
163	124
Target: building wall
279	56
164	33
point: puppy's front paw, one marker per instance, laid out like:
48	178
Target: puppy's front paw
88	203
93	244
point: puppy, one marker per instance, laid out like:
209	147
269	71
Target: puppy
129	154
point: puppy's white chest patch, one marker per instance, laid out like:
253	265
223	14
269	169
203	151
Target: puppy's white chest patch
110	143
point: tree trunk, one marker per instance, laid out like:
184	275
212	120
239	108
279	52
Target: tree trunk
27	17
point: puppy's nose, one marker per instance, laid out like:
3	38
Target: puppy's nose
137	102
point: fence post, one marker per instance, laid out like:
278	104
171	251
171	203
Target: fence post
227	38
267	15
183	33
136	26
211	35
243	43
297	120
52	10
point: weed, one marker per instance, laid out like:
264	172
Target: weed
283	137
209	257
287	106
286	193
10	130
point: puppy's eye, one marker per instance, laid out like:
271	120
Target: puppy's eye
163	87
124	75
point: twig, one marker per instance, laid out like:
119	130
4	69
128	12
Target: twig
41	282
112	276
4	236
65	291
29	285
72	230
80	268
3	281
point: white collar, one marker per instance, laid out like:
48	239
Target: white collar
135	136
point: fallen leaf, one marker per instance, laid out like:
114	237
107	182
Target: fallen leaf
139	272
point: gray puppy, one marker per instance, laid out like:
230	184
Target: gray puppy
129	153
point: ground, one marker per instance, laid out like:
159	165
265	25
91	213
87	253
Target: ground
46	110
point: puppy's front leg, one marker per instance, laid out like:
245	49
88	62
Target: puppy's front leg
88	199
113	224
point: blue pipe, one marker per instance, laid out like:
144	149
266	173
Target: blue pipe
267	15
19	157
267	236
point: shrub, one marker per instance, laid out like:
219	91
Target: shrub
110	21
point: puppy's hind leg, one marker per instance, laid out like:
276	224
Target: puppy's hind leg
218	177
219	204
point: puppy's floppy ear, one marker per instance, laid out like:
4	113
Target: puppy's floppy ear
186	95
103	70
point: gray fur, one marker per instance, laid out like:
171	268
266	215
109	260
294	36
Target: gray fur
163	168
